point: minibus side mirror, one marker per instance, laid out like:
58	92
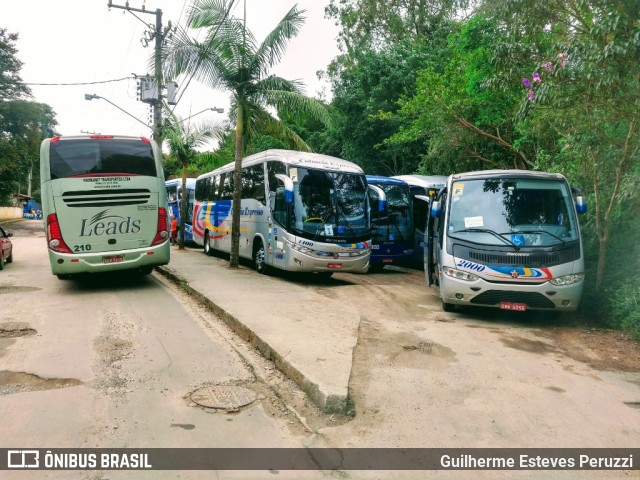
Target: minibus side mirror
435	209
581	204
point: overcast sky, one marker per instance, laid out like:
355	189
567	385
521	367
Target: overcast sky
83	41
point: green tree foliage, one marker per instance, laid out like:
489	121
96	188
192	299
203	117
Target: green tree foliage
230	58
11	85
587	97
366	97
467	123
23	123
374	24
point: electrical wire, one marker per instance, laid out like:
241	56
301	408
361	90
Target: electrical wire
77	83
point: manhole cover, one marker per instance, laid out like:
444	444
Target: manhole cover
225	397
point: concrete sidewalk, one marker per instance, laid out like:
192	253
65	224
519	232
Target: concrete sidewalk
308	336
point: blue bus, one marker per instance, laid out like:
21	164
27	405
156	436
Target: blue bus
174	190
392	241
421	186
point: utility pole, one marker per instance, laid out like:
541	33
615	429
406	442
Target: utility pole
158	34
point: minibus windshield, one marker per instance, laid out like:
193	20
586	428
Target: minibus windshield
518	211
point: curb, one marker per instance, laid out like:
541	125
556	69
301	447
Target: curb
327	403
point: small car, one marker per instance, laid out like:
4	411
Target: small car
6	248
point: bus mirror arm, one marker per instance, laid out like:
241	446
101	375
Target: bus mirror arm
382	197
288	187
424	198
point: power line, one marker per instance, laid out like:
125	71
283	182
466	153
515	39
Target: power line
79	83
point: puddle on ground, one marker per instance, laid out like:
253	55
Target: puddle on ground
16	288
556	389
526	345
15	329
424	354
17	382
184	426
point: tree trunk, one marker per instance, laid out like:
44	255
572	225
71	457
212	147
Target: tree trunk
603	244
234	258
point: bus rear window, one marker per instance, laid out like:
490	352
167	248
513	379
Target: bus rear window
88	157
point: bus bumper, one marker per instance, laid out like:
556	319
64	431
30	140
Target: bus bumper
299	262
510	296
69	264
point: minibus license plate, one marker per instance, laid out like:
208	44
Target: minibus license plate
113	259
518	307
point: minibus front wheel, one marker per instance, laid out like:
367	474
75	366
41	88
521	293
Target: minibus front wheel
448	307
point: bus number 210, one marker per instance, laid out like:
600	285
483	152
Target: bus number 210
82	248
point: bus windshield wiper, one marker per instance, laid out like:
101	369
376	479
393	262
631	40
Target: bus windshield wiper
346	220
534	232
495	234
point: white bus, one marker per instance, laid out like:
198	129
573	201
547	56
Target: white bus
300	212
508	239
104	204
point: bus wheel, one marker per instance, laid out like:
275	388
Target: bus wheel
207	245
63	276
259	259
1	261
448	307
146	270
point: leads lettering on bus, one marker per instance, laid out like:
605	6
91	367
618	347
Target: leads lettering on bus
471	266
127	225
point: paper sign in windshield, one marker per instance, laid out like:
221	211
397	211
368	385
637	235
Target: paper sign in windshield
473	222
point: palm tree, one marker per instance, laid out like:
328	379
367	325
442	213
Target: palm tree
183	140
230	58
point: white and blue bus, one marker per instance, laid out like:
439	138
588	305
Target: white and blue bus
174	195
421	187
392	241
507	239
104	204
300	211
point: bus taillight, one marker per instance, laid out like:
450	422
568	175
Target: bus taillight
162	233
54	235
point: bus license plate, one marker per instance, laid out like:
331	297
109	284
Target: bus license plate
517	307
334	266
113	259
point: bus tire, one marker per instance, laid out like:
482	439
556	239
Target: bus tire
259	257
207	245
146	270
448	307
63	276
1	261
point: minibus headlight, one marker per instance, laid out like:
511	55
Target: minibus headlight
567	279
459	274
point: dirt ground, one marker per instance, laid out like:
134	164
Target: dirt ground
571	335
